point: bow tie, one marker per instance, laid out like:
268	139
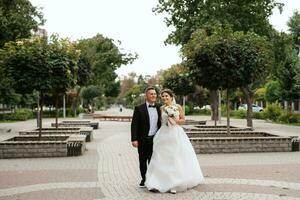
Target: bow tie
151	106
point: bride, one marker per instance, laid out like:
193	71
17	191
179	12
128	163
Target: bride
173	165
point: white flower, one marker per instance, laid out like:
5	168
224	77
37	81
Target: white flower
172	111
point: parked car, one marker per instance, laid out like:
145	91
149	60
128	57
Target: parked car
255	108
207	107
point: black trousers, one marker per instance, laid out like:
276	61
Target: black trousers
145	152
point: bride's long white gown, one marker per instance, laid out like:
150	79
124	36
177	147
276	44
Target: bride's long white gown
173	164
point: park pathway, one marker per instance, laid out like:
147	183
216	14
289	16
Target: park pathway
109	170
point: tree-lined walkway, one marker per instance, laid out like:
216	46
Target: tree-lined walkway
109	170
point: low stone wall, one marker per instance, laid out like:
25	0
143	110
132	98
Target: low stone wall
240	144
80	123
32	146
193	134
120	118
194	122
215	129
88	131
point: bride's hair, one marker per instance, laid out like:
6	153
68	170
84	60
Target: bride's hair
169	92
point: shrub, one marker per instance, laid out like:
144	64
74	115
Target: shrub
241	114
257	115
289	117
273	111
19	115
201	112
187	110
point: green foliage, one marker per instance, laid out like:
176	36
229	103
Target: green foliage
230	59
133	96
273	92
69	113
189	15
187	110
273	111
176	78
258	115
104	57
240	114
201	112
19	115
84	71
91	92
294	28
18	18
260	94
286	70
33	64
289	117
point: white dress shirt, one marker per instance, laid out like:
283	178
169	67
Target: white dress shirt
153	118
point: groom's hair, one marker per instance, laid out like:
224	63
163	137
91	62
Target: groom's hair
149	88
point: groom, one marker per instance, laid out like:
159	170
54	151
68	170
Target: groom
144	125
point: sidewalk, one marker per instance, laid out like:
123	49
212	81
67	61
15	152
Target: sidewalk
109	170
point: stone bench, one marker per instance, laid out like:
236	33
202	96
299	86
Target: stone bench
29	146
33	146
194	122
76	145
87	131
113	118
241	144
225	134
215	129
79	123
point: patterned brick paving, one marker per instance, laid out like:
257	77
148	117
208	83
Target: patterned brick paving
109	170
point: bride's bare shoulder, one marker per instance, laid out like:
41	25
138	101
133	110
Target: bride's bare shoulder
178	106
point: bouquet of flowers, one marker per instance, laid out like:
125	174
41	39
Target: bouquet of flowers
172	112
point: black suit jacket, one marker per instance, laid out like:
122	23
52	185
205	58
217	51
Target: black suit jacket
140	124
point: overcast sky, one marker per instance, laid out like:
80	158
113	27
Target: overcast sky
132	22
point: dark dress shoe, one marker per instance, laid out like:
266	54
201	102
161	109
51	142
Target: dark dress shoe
142	184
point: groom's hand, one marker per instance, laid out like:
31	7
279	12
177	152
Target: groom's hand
135	144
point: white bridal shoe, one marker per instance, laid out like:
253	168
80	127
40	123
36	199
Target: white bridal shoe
173	191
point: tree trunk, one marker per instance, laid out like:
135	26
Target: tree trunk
183	103
56	109
228	111
75	103
214	105
41	114
219	107
38	111
249	99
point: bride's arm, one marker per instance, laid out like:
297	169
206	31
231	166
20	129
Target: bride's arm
181	119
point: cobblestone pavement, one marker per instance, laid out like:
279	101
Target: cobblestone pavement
109	170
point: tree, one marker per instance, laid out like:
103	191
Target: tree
226	59
127	82
272	92
294	29
18	18
260	94
189	15
287	67
35	64
90	93
177	79
104	57
83	76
